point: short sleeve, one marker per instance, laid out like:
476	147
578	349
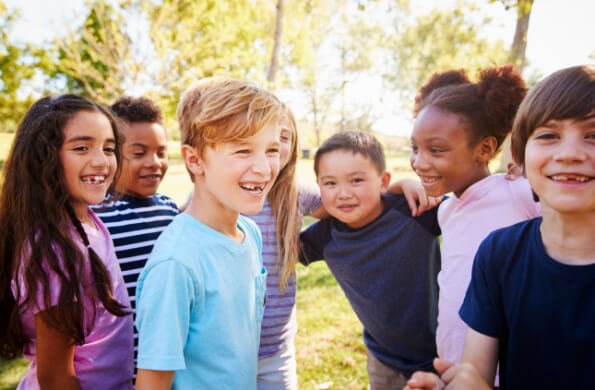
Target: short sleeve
309	199
482	307
166	295
313	241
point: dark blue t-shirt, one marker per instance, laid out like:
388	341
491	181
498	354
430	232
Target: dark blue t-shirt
387	270
541	311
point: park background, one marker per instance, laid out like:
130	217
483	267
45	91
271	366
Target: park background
339	64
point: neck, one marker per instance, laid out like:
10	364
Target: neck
212	214
479	175
568	238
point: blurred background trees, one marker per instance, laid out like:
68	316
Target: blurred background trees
338	63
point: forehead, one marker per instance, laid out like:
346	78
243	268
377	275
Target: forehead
91	124
343	162
435	123
144	133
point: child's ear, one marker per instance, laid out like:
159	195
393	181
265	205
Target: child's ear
193	162
485	149
384	182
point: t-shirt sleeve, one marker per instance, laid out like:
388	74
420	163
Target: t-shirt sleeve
309	199
428	220
166	295
313	241
482	307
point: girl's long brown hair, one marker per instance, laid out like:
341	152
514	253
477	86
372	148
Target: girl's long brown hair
36	225
283	199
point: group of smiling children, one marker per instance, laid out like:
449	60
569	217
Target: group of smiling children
88	246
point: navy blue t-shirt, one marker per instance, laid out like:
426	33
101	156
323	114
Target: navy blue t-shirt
387	270
541	311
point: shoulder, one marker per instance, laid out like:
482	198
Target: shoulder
504	245
165	200
309	199
428	220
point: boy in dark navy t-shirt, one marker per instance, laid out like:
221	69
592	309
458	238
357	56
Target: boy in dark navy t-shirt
385	260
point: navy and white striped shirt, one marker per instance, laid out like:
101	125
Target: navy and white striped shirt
134	225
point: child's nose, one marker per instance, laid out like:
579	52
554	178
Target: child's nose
261	165
99	159
418	162
570	150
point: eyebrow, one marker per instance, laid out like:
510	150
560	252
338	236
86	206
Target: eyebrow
86	138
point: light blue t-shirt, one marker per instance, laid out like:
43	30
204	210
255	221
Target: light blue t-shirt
200	300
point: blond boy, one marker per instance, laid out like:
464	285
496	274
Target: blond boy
201	295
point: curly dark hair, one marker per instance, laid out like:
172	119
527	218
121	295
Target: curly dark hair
134	110
488	106
36	225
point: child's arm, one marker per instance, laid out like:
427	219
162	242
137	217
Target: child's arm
482	352
55	356
154	380
414	193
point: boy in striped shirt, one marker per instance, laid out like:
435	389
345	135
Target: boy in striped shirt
136	214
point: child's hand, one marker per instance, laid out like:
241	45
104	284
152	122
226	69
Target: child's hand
417	198
424	380
464	377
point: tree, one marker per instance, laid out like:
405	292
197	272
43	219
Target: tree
442	40
274	65
17	66
97	59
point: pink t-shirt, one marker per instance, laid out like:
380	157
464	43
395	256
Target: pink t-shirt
105	361
491	203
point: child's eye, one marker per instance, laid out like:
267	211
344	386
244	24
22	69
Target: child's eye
285	138
414	148
109	149
436	150
546	136
329	183
139	154
242	151
80	148
273	150
357	180
162	154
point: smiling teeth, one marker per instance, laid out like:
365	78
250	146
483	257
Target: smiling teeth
251	188
94	179
580	179
429	179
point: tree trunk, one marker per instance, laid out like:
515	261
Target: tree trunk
276	46
519	45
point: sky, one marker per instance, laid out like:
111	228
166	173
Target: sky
561	34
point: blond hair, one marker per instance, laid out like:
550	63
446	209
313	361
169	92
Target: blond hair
220	110
283	199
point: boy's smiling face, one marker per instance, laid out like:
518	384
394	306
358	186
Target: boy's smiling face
236	177
560	165
144	161
351	187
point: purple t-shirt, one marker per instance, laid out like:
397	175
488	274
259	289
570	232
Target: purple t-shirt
279	325
105	360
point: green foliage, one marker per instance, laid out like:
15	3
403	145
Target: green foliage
17	67
442	40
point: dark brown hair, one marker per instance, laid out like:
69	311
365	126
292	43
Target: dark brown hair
134	110
566	94
357	142
36	224
487	107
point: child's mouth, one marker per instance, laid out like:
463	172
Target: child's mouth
95	179
253	188
573	178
